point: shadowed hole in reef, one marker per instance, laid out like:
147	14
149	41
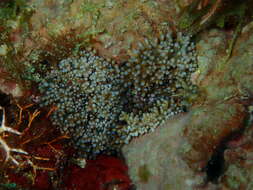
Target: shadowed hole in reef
215	167
4	100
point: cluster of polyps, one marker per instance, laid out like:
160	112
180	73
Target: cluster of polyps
102	104
6	148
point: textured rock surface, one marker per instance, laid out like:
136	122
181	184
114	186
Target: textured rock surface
176	156
154	159
114	25
207	128
9	86
238	159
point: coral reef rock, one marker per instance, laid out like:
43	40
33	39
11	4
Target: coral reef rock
193	150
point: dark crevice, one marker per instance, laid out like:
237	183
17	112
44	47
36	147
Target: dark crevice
4	100
216	166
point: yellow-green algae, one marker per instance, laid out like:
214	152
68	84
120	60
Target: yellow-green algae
144	173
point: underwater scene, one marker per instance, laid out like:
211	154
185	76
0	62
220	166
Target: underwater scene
126	95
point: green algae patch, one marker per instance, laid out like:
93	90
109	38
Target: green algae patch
144	173
14	33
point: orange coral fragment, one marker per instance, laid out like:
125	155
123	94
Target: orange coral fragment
52	109
31	118
35	168
55	140
21	109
